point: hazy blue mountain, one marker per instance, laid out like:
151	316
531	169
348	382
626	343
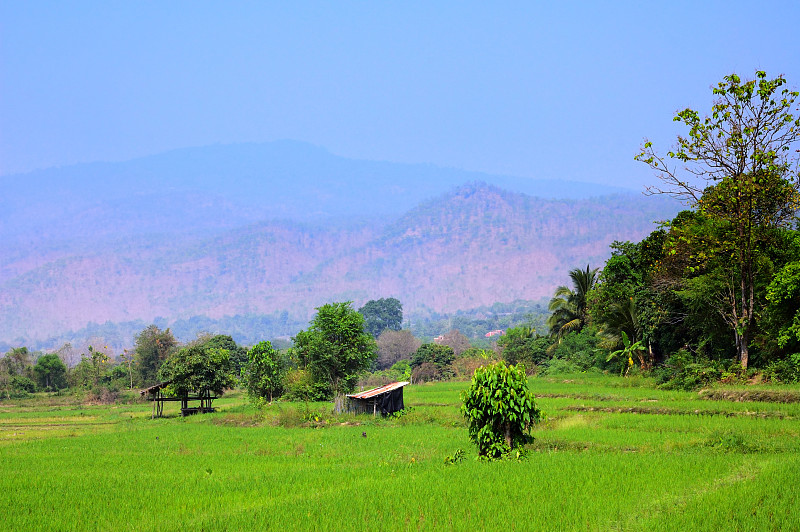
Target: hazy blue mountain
221	186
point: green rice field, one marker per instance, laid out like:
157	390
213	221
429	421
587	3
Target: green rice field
613	454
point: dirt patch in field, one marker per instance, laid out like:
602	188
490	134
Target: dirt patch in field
584	396
761	396
675	412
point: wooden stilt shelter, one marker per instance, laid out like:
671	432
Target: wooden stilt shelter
155	393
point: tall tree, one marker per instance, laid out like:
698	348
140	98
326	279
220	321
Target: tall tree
153	346
569	305
335	348
739	167
382	314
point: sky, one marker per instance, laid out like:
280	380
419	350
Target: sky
553	90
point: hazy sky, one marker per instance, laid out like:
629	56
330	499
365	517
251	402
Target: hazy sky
540	89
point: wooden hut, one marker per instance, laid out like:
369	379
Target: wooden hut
155	393
384	400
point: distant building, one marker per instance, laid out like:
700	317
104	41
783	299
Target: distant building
497	332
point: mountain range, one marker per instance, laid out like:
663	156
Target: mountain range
260	229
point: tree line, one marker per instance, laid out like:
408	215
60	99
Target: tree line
715	292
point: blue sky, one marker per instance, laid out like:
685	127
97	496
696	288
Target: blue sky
549	90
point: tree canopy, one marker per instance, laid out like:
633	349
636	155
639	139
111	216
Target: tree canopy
382	314
264	371
196	368
739	169
335	348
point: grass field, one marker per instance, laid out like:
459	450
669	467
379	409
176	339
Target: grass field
614	454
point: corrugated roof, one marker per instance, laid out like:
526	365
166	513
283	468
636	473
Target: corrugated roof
378	391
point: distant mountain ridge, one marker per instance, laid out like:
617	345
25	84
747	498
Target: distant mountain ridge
224	186
471	246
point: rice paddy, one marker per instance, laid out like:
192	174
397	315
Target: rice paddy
613	454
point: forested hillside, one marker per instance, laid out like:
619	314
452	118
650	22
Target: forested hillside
473	246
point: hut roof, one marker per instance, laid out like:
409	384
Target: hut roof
154	388
378	391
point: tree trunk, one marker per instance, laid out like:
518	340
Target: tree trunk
508	435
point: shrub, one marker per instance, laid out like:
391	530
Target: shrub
300	386
786	370
682	372
559	366
500	409
24	385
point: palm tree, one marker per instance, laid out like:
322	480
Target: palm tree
568	306
623	328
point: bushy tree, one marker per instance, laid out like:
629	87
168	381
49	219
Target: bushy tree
441	356
335	348
500	409
382	314
196	368
263	374
522	344
237	353
51	372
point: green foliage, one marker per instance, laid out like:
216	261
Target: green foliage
433	362
263	374
455	458
299	385
581	349
335	348
522	344
745	154
786	370
569	306
783	296
51	372
440	355
382	314
682	372
500	409
237	353
402	370
627	353
153	346
196	368
20	384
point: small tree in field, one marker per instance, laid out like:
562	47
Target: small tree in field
335	348
500	409
263	374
